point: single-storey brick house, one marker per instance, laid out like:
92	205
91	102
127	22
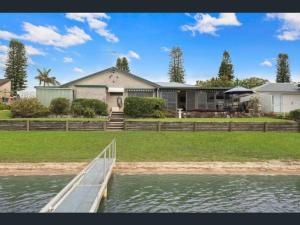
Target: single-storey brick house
112	86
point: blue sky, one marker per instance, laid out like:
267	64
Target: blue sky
74	45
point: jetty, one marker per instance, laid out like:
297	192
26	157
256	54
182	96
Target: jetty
84	192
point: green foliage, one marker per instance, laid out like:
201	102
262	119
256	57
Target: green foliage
252	82
158	114
28	107
16	64
60	106
89	113
215	82
295	114
143	106
226	71
81	104
43	77
122	64
4	106
176	68
283	70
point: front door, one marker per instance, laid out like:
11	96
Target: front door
277	103
115	101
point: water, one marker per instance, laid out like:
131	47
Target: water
164	193
202	193
29	193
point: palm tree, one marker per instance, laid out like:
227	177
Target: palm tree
43	77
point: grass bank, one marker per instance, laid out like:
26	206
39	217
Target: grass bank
251	119
5	114
149	146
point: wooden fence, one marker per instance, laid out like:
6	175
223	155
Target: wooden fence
213	126
59	125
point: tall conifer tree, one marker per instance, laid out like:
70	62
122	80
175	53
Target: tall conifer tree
176	68
226	71
283	70
16	65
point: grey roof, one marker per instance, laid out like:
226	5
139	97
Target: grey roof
238	89
175	85
3	81
278	87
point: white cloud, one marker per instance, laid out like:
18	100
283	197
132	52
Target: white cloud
95	22
165	49
48	35
68	60
205	23
133	55
266	63
78	70
130	55
290	27
33	51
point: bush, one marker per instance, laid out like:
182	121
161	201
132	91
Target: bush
28	107
60	106
143	106
295	114
89	113
158	114
80	105
4	106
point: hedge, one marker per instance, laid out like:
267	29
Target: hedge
28	107
60	106
82	106
295	114
144	107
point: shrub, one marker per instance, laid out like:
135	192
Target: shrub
158	114
89	113
295	114
79	105
28	107
143	106
4	106
60	106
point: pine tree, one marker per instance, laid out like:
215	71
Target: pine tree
125	65
226	71
176	69
283	70
16	65
119	63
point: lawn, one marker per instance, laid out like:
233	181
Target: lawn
250	119
51	146
5	114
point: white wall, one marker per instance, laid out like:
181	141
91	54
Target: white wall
291	102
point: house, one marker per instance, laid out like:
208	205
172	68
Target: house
5	90
278	97
112	86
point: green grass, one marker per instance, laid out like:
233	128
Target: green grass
149	146
5	114
250	119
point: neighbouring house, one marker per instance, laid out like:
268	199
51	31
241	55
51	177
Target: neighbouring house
5	90
278	97
112	86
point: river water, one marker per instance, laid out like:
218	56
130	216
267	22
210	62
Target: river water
164	193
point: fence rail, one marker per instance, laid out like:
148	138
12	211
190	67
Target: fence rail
40	125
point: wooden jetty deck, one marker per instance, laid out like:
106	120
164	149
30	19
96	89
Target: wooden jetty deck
85	191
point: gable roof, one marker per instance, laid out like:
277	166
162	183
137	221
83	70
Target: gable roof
3	81
278	87
112	69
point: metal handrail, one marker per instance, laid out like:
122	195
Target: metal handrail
60	196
